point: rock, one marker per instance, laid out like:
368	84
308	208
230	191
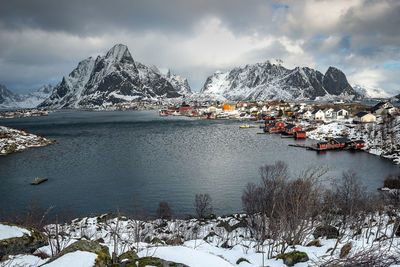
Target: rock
103	255
240	260
327	231
24	244
156	240
293	257
225	245
345	250
176	240
129	255
150	261
314	243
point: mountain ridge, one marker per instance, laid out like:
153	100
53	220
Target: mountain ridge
113	78
266	81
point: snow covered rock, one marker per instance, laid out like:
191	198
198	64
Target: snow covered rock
15	239
82	253
77	258
266	81
107	80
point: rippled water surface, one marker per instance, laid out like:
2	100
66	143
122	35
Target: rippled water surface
108	160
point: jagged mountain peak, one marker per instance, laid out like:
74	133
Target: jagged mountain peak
119	52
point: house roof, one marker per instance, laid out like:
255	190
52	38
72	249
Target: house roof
362	114
315	111
341	140
290	126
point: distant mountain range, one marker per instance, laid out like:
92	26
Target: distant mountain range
116	77
266	81
9	100
370	92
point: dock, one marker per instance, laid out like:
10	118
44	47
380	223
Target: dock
315	148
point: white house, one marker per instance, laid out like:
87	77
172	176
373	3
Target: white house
380	108
306	115
328	113
318	115
364	117
339	114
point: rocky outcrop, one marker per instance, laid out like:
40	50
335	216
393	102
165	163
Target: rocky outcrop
27	243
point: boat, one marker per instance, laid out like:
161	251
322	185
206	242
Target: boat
38	181
246	126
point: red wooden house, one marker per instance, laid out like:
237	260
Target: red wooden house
358	144
300	135
322	145
291	128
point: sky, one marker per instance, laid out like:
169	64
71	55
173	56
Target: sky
43	40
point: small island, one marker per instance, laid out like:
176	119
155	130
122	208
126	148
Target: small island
13	140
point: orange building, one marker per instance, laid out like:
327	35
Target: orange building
228	107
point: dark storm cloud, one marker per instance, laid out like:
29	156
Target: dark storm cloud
96	16
43	40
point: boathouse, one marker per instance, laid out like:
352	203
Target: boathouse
357	144
291	128
300	135
322	145
338	142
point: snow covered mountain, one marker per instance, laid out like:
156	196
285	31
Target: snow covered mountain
9	100
109	79
370	92
266	81
179	83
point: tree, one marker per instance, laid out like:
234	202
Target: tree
203	205
164	211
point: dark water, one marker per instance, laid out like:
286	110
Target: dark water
105	160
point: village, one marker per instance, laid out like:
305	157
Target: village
349	126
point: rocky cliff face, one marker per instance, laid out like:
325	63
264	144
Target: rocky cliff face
109	79
266	81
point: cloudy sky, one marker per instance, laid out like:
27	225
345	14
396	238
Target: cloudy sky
43	40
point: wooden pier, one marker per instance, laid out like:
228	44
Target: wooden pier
315	148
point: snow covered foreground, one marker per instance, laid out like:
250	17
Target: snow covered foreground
198	248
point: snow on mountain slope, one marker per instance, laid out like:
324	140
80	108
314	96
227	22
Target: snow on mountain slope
370	92
109	79
179	83
8	100
266	81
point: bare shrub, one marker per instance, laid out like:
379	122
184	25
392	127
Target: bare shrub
164	211
203	205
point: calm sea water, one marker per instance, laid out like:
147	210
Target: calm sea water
108	160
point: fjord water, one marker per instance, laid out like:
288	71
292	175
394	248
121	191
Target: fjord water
108	160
